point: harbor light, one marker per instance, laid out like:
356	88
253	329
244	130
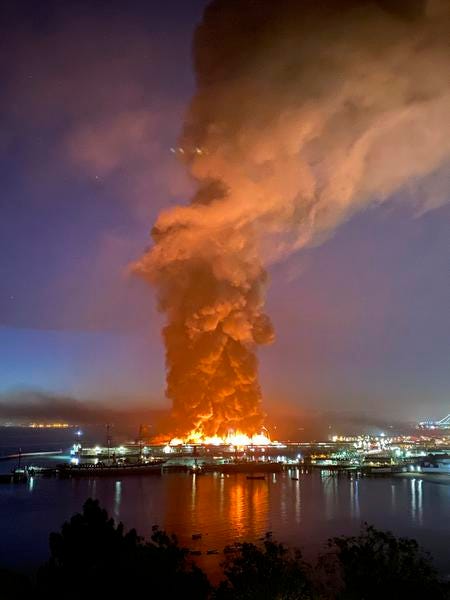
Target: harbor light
75	449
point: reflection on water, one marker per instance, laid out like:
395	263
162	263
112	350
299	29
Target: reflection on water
193	491
117	498
257	493
300	509
296	496
232	506
330	489
393	488
354	498
416	500
236	509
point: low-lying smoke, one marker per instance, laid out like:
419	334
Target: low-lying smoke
305	113
24	406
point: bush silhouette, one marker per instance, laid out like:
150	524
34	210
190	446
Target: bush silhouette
14	586
376	564
264	573
91	555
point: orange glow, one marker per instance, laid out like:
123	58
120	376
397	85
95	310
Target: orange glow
232	439
237	505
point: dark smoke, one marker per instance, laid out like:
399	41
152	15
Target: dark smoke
306	112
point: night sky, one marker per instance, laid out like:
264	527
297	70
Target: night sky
92	100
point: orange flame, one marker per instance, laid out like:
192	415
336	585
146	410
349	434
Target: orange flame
232	439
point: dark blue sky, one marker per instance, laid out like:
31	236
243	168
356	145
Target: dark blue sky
93	100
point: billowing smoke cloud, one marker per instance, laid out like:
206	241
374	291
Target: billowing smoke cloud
305	113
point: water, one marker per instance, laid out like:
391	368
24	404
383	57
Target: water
35	440
230	508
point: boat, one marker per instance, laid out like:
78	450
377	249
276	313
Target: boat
20	475
41	471
381	470
113	470
256	477
196	536
435	466
16	476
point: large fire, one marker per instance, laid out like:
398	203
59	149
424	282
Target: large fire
281	157
236	439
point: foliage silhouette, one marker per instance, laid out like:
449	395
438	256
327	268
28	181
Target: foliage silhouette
14	586
264	573
92	556
376	564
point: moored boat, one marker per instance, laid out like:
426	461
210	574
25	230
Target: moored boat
113	470
16	476
435	465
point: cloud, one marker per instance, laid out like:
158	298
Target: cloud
92	98
98	97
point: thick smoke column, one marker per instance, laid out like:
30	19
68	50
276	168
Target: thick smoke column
211	286
305	112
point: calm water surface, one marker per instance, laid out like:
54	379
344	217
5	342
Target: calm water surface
225	509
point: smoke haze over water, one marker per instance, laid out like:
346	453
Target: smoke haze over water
28	405
305	113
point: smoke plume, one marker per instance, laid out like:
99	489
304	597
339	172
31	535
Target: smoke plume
305	112
27	405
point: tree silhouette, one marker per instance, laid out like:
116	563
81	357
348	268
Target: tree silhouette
14	586
270	572
376	564
91	555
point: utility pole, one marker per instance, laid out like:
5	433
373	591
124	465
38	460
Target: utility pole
108	439
140	436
